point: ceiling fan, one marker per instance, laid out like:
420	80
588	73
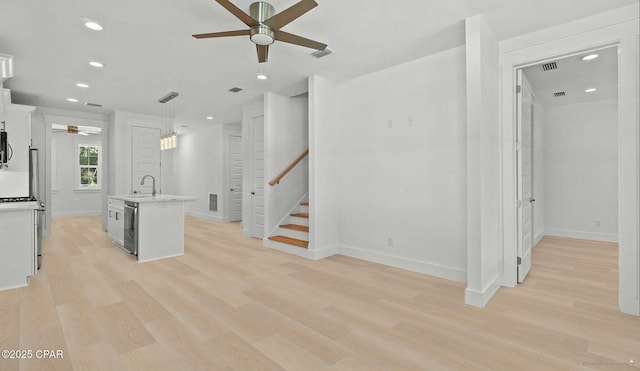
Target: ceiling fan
265	25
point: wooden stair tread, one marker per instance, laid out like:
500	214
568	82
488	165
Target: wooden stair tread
296	227
304	204
290	241
301	215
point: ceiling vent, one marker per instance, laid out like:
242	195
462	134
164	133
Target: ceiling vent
549	66
322	53
559	94
92	104
235	90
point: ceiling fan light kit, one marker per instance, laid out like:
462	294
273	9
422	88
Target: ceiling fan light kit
264	25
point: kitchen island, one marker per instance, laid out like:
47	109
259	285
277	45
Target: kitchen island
148	227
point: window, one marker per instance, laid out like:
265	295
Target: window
89	166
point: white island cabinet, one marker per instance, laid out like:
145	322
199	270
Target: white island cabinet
18	256
151	227
115	221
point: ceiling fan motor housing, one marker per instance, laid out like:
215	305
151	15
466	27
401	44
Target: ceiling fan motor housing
261	34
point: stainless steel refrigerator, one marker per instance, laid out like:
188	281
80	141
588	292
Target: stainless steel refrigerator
34	193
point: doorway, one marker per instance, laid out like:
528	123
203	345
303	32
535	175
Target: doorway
76	175
563	41
567	157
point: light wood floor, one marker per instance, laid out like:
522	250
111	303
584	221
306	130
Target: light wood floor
230	304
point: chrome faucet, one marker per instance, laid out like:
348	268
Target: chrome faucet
153	191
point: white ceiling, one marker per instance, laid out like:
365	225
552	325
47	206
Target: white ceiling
148	50
573	76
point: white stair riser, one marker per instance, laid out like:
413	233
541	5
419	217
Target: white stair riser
304	209
300	235
298	220
285	247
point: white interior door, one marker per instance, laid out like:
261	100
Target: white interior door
145	158
257	191
235	175
525	175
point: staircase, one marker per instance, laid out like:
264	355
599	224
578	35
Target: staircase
293	233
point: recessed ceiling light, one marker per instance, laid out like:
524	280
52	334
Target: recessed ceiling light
96	64
209	117
589	57
82	85
261	76
74	100
590	90
93	26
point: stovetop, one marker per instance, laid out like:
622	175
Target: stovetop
17	199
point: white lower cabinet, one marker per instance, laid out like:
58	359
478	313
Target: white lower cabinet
115	221
17	249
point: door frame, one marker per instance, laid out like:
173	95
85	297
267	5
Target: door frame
617	29
228	130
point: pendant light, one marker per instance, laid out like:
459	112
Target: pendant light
168	139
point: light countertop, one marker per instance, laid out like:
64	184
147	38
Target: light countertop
150	199
15	206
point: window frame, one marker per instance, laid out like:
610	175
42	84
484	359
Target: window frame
80	166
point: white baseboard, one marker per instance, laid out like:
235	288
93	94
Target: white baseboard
537	238
450	273
595	236
204	216
76	213
325	252
481	298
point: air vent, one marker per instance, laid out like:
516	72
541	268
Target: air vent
549	66
559	94
213	202
235	90
92	104
322	53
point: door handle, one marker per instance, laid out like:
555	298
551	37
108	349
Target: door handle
253	193
532	199
232	189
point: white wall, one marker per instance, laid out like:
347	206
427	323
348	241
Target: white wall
484	247
198	170
286	123
581	170
67	199
120	124
400	142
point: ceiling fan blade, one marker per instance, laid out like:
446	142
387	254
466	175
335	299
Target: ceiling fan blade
263	53
288	15
244	17
223	34
299	40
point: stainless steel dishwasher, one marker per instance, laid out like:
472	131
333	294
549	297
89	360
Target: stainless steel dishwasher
131	227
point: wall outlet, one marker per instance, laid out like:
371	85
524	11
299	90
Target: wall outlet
390	124
410	121
390	241
598	223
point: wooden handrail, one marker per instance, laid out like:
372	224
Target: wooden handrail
293	164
